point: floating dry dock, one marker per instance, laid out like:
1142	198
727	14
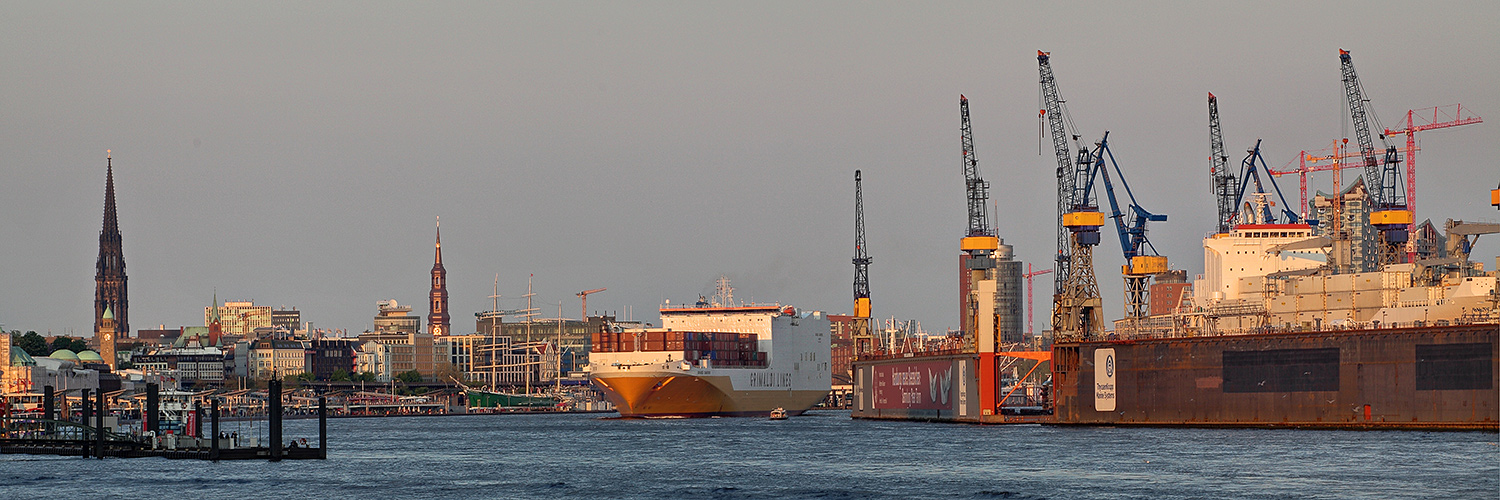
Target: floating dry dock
49	436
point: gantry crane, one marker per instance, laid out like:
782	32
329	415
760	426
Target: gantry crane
1076	312
1223	185
1141	259
863	335
1390	215
584	314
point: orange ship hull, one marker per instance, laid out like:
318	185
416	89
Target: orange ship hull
674	395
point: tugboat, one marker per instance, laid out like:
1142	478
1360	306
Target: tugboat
778	414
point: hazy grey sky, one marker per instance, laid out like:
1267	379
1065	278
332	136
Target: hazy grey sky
296	154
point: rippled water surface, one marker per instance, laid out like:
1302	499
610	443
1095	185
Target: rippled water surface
819	455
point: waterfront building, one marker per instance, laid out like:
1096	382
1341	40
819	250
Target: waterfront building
396	318
238	318
195	366
271	358
110	291
841	348
458	350
437	316
374	357
326	356
23	375
395	353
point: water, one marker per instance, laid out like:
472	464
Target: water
819	455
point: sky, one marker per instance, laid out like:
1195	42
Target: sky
297	154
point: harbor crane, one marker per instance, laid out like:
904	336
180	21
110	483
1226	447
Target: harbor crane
1250	169
1076	311
1390	215
979	244
1141	259
863	336
584	295
1228	190
1222	184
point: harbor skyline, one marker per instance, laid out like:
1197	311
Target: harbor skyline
297	157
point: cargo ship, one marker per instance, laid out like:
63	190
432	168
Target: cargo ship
713	358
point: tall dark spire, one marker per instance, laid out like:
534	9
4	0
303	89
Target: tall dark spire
437	303
110	293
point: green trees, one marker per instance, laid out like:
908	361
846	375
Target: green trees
410	377
32	343
69	343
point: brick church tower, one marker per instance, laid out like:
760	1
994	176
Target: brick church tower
109	279
437	301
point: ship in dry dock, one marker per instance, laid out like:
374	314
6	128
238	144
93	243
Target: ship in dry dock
1351	317
715	358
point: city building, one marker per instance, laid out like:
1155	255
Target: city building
391	354
286	319
239	318
328	356
110	291
437	316
160	337
841	347
396	318
271	358
1009	298
189	366
1354	206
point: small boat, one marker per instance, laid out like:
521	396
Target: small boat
778	414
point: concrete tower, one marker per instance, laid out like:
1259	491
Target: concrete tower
109	280
437	316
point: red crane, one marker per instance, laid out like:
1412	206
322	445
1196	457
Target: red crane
1029	303
585	296
1437	117
1433	118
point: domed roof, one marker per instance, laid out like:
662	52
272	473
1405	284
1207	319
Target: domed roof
64	354
19	357
90	357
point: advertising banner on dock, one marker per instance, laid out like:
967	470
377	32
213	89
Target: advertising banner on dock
923	385
1104	380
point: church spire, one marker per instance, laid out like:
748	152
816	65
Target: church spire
110	292
437	299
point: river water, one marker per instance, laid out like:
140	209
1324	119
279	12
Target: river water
818	455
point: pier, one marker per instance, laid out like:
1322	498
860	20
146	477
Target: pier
50	435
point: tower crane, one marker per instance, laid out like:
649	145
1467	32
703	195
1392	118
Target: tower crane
1390	215
584	313
864	337
1076	308
1030	303
1222	184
